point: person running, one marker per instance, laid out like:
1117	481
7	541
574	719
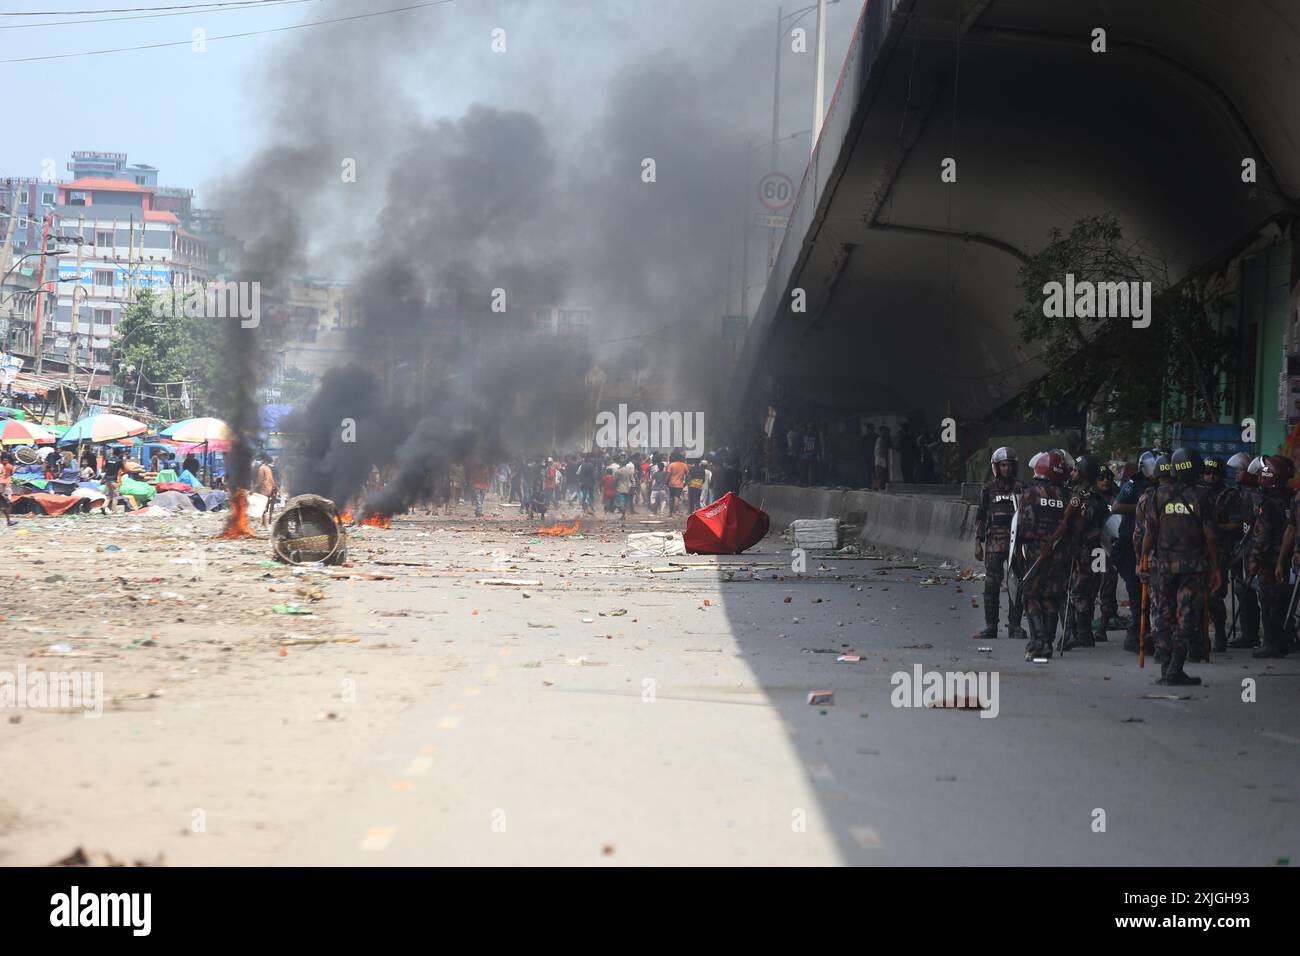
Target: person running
677	470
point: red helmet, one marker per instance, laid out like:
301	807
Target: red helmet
1050	465
1274	471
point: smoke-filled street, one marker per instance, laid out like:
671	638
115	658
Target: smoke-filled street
699	433
468	691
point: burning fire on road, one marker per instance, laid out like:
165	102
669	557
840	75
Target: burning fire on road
377	519
237	524
561	529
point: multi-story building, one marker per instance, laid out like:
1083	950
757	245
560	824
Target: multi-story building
127	243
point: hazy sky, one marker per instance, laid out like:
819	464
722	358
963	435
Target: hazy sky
198	116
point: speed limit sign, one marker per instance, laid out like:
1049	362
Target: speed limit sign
776	191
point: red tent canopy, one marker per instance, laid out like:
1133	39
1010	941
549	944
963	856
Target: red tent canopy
728	526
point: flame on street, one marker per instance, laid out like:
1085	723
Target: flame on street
237	524
377	520
345	516
561	529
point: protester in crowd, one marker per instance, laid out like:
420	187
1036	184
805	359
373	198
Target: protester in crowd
537	499
695	485
658	487
112	475
706	493
677	469
479	478
808	448
455	485
607	488
6	484
881	457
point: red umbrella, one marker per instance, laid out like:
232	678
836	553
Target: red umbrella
728	526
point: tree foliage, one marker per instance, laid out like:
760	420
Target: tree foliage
1122	373
153	349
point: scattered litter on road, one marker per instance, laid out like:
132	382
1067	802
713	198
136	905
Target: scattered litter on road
510	582
821	697
984	650
848	659
289	609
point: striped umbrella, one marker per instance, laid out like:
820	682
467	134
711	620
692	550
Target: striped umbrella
196	431
15	432
102	428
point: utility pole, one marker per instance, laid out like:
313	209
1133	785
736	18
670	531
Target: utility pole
76	303
40	289
819	110
774	162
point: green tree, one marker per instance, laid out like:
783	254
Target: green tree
158	344
1123	374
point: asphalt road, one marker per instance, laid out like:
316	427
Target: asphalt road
612	715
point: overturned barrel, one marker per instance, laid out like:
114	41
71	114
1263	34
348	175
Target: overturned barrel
308	531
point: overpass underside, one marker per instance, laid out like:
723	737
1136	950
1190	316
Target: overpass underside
911	282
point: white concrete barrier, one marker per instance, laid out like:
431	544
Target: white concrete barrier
929	525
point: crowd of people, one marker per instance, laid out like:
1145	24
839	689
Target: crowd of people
854	452
1180	532
615	482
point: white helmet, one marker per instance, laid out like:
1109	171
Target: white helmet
1005	453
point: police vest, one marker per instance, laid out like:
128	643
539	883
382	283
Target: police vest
1275	505
1002	506
1180	536
1046	505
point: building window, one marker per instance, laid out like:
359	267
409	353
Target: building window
104	238
103	316
47	199
22	197
104	277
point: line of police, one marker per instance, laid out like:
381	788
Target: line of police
1062	544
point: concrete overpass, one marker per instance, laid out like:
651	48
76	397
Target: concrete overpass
911	282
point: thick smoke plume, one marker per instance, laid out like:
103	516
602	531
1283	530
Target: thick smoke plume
479	173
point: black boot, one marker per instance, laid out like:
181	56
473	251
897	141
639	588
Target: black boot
1220	638
1082	630
990	632
1175	676
1269	650
1034	645
1131	640
1099	632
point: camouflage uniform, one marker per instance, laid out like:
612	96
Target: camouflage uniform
1247	599
1042	510
1273	512
1180	519
993	530
1226	507
1108	599
1089	512
1154	613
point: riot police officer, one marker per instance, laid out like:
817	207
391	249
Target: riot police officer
1180	532
1225	502
1124	555
1087	511
1247	472
1040	526
1107	597
1264	556
993	541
